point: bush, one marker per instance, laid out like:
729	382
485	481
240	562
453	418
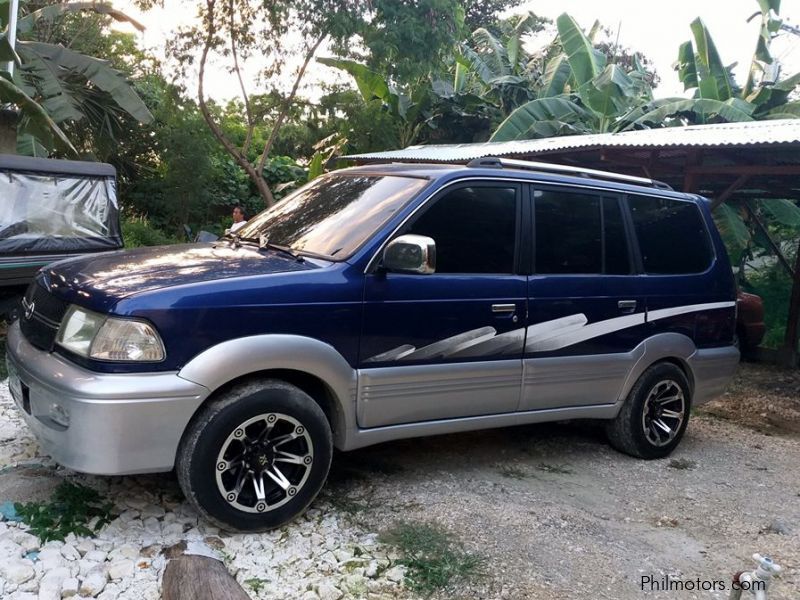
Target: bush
772	283
137	231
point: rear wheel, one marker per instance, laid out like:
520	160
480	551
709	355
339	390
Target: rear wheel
653	419
256	457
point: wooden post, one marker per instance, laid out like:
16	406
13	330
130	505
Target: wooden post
191	577
8	131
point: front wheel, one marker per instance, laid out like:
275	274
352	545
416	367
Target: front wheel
653	419
256	457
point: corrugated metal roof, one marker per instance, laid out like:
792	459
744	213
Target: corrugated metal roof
750	133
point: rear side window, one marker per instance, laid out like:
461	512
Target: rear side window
672	237
474	229
579	233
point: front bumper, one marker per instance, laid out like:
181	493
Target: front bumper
118	424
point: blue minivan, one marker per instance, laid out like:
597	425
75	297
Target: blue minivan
380	302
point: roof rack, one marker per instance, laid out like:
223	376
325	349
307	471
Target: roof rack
510	163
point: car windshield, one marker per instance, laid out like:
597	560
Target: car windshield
334	214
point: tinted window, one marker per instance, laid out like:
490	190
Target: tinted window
474	229
334	214
569	234
672	236
615	257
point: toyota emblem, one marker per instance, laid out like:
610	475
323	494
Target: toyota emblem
29	308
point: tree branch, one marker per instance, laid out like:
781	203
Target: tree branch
287	103
241	159
248	111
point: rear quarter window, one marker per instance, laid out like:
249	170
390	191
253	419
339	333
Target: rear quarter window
672	235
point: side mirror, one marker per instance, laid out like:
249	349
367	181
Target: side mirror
410	254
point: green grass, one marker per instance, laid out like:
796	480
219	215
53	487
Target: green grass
434	561
682	464
255	583
512	472
70	510
557	469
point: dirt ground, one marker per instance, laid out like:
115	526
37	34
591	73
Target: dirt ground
555	513
558	514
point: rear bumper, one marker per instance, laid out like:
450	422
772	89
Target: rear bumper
712	369
118	424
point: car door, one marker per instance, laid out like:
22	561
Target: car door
448	344
586	310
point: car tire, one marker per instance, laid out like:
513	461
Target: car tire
654	416
255	457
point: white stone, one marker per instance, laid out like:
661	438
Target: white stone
26	540
85	565
95	556
69	587
50	585
69	552
10	549
94	582
396	574
50	558
328	591
84	546
310	595
372	569
121	568
153	510
17	571
152	525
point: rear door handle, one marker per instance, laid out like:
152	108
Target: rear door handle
504	308
627	305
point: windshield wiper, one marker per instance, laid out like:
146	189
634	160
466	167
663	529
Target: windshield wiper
264	243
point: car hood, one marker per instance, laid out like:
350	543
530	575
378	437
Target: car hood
103	279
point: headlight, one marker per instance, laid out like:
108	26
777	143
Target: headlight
93	335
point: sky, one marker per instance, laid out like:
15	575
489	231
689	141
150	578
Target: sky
654	28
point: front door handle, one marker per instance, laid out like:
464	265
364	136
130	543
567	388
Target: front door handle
627	306
504	308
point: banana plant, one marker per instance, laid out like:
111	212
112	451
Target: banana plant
717	97
580	92
53	85
411	110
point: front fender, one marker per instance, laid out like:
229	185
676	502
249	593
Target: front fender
236	358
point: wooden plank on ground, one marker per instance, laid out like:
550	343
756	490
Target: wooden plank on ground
192	577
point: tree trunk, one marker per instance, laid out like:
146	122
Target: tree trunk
199	577
8	131
789	354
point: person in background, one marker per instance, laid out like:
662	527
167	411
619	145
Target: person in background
238	219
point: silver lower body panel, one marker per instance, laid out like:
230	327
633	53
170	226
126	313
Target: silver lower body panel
118	424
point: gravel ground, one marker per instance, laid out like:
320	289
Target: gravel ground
554	512
321	556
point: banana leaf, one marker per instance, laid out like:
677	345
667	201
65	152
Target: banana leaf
783	211
686	66
556	75
98	72
50	13
733	230
581	54
35	119
714	80
522	123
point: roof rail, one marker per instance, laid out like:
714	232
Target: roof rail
510	163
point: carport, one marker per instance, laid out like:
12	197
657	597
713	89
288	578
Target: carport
756	160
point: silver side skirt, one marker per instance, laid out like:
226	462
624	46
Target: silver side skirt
377	435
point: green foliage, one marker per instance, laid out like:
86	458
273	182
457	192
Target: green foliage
56	85
433	559
72	507
774	286
137	231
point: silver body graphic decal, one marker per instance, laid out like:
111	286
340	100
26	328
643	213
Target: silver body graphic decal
540	337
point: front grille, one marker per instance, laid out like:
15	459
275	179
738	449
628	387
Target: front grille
41	316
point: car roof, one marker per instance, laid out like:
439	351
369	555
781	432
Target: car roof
439	171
